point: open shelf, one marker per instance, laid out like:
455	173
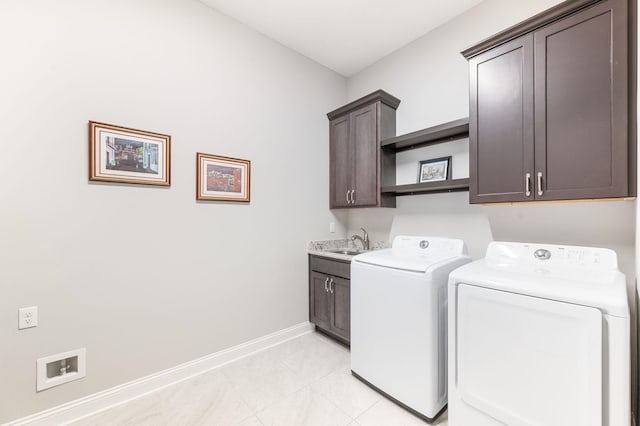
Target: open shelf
452	185
437	134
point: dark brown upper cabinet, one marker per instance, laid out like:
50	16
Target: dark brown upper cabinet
501	123
358	167
549	113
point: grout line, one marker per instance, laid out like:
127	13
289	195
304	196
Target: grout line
320	394
368	409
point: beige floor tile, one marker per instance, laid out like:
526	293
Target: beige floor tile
348	393
270	388
251	421
304	408
251	369
319	358
205	400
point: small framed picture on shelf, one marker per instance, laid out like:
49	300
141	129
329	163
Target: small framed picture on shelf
434	170
222	178
124	155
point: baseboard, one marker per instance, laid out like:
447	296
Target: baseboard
109	398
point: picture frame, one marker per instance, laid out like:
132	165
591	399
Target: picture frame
434	170
221	178
126	155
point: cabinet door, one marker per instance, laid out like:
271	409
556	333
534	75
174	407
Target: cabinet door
364	140
581	104
319	309
341	307
341	162
501	123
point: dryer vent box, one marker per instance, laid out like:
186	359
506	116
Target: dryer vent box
61	368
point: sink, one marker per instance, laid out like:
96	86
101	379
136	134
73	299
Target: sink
350	252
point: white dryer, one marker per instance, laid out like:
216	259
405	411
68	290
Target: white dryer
539	335
399	320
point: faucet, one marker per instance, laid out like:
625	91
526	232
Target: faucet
364	240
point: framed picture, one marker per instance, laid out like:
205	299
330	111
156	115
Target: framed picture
121	154
434	170
222	178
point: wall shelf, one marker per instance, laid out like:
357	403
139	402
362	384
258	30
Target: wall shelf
432	135
452	185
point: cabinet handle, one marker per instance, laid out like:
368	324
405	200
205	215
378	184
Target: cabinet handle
353	196
348	200
540	191
527	184
326	281
331	286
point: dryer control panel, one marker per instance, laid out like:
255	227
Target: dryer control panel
551	254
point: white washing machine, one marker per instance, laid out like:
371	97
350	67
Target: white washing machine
399	320
539	335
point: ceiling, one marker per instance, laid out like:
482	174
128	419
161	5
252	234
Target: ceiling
343	35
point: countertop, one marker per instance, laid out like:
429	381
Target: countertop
320	248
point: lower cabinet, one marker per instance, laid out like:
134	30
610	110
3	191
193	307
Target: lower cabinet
330	296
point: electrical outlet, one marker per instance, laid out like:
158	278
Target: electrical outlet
27	317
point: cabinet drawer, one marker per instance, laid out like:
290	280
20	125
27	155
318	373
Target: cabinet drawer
330	266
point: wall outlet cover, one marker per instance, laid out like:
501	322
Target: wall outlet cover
27	317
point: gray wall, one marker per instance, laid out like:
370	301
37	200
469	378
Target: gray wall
146	278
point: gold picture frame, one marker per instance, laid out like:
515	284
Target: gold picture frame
125	155
221	178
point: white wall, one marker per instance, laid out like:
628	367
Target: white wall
146	278
431	79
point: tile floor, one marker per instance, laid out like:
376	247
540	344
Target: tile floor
304	381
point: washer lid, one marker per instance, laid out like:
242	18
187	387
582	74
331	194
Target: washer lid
581	275
416	254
